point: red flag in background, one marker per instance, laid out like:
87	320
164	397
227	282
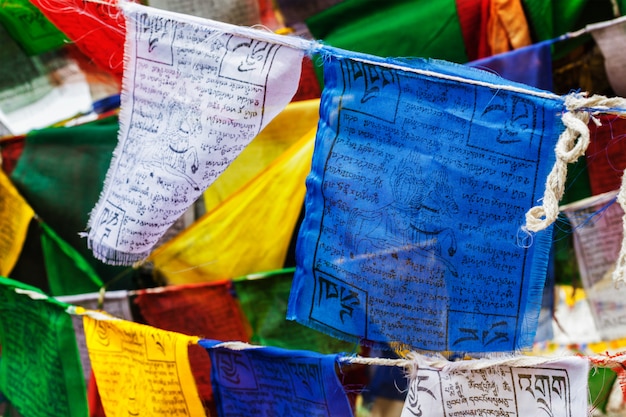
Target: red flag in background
492	27
606	155
205	310
98	29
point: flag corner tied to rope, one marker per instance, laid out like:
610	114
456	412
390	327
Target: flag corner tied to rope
516	387
195	93
420	181
250	380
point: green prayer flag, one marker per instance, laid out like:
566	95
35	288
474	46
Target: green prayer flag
601	382
263	299
60	174
394	28
68	272
40	370
551	19
29	27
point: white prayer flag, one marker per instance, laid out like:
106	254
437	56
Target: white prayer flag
195	93
555	388
598	234
610	37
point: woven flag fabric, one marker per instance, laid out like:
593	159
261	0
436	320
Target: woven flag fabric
202	309
597	228
97	28
418	188
273	381
263	299
408	28
606	155
40	371
62	194
28	26
248	232
68	272
196	92
15	216
555	388
530	65
610	37
141	369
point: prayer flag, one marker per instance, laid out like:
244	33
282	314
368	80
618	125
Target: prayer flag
272	381
205	309
549	19
15	216
284	131
28	26
115	303
237	12
394	28
531	65
196	92
249	232
40	372
10	150
606	155
60	173
556	387
263	299
421	179
610	38
507	26
597	228
140	369
97	28
68	272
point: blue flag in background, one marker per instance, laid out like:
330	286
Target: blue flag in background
531	65
274	381
418	188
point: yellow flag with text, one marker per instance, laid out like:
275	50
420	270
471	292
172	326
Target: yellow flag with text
15	215
141	369
248	232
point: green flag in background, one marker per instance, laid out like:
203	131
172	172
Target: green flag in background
263	299
60	174
68	272
29	27
551	19
40	370
394	28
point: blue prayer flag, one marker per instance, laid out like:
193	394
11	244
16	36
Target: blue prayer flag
420	181
277	382
531	65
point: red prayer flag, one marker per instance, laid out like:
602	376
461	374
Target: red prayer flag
606	154
98	29
206	310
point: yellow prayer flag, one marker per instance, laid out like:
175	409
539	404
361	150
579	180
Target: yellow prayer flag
15	215
141	369
248	232
286	129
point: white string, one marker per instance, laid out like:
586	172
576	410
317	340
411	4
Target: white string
570	146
